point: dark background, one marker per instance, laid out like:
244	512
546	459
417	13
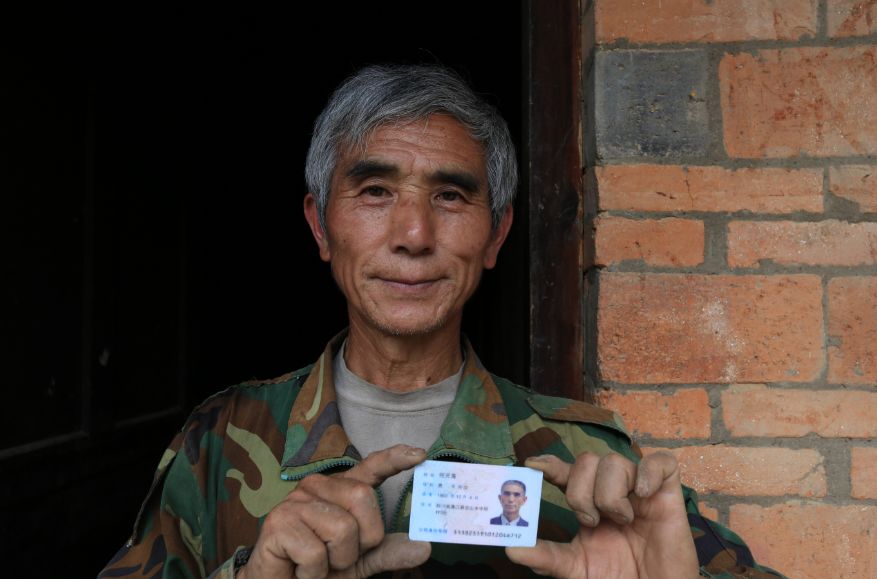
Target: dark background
153	245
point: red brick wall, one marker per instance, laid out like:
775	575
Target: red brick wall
732	158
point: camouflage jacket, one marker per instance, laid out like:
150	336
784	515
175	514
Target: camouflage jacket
244	449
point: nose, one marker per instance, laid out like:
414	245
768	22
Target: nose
413	227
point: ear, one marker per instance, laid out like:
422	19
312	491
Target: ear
523	500
312	216
498	236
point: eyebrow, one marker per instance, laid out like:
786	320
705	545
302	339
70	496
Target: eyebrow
370	168
462	179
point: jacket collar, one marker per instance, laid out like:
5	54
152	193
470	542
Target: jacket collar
476	428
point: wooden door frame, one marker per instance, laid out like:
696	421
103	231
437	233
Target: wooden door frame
554	163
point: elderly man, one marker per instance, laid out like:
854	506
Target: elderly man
411	179
512	496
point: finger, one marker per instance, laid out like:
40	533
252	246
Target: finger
396	552
576	479
654	472
612	485
356	498
554	469
547	558
381	465
334	526
286	546
580	489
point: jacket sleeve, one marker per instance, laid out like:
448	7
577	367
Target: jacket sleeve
168	536
722	553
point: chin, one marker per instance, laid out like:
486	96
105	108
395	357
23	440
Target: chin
409	327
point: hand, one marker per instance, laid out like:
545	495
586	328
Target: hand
332	526
632	520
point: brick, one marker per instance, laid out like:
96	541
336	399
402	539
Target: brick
682	414
699	188
858	183
852	329
650	103
674	328
852	17
740	471
829	242
811	540
707	511
754	410
660	242
864	473
800	101
705	21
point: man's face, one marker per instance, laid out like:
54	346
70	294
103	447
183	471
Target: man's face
512	498
409	226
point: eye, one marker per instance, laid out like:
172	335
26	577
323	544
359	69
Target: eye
450	196
375	191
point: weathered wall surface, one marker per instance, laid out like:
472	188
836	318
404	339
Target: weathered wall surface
732	152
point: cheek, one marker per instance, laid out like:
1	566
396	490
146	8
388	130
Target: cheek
472	253
343	253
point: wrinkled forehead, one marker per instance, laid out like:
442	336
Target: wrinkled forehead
356	142
513	487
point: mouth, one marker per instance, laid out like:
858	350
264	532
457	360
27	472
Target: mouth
409	284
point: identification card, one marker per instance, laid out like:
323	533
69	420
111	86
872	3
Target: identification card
477	504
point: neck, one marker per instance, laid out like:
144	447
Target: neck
403	363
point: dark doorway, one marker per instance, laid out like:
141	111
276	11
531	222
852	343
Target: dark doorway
152	172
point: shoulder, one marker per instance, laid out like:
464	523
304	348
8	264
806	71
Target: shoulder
539	423
522	403
260	407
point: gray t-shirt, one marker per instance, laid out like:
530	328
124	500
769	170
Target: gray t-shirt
375	419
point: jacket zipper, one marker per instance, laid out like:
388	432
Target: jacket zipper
327	466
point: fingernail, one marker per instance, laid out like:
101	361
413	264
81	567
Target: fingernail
642	488
587	519
413	451
621	517
538	458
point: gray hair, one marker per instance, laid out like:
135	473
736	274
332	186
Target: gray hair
514	482
379	95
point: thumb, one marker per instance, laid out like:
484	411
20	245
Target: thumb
546	558
395	552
